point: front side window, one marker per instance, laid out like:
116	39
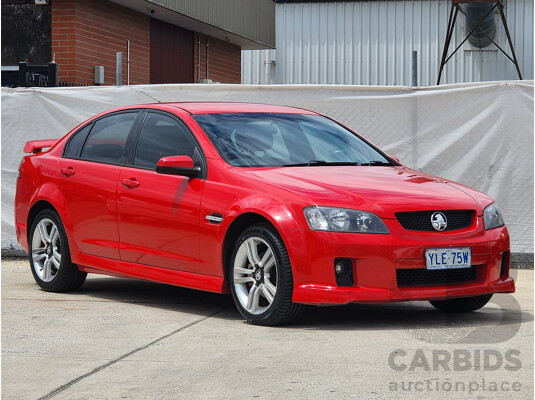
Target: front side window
274	140
107	139
162	136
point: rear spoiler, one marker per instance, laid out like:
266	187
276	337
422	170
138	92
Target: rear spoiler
36	146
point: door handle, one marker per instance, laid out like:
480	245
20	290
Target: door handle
68	171
130	183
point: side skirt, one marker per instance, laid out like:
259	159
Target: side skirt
106	266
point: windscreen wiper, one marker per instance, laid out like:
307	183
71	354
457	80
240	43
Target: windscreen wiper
371	163
314	163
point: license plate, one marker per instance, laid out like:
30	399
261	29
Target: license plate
450	258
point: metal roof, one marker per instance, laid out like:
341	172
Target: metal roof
249	24
322	1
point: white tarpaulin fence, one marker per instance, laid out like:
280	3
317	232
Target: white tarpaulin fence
478	134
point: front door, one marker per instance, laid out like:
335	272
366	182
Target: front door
158	215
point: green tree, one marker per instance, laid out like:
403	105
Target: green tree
26	34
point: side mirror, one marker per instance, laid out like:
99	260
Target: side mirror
395	159
178	165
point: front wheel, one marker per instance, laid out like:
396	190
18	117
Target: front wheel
261	277
463	304
50	258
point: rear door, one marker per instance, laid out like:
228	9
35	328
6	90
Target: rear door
158	215
88	175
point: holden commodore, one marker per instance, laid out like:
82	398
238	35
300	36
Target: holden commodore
279	206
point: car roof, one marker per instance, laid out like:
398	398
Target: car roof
228	107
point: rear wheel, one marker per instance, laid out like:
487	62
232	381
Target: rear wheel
261	277
50	258
463	304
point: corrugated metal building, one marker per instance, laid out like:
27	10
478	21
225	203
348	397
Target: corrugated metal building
371	43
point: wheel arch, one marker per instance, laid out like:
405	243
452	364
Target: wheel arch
281	309
234	231
36	208
67	276
49	196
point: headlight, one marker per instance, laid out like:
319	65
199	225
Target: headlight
343	220
492	217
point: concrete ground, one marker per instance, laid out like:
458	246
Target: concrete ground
127	339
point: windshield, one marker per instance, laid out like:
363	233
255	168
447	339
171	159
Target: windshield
274	140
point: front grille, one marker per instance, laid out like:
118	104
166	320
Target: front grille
418	277
421	220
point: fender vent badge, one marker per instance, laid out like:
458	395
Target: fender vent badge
215	218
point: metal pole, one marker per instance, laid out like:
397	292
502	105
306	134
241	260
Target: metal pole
414	68
52	74
199	58
207	55
449	34
127	62
502	15
119	69
22	74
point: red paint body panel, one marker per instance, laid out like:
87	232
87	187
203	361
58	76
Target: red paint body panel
377	257
176	162
127	221
158	220
149	273
377	190
211	108
90	195
36	146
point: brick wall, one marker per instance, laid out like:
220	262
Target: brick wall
63	34
86	33
224	62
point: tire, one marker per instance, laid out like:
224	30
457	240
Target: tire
50	258
261	279
462	305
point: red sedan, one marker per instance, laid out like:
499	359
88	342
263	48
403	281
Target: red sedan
278	205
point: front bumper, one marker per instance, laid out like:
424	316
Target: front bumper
377	260
319	294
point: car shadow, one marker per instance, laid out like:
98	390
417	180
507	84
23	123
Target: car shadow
418	318
502	316
151	294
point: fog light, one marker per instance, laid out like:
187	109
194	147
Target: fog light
343	268
340	268
504	270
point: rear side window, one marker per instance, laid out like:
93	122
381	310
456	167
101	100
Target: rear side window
162	136
107	139
76	142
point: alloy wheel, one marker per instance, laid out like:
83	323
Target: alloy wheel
46	250
255	275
